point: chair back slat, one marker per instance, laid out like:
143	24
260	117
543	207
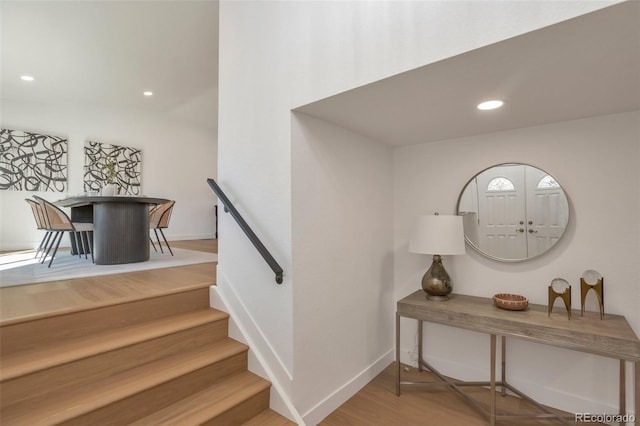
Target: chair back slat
153	218
38	214
166	215
55	217
161	215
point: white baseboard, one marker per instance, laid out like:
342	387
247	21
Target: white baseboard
262	359
179	237
350	388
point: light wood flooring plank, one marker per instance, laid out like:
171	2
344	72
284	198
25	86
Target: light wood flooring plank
377	404
207	246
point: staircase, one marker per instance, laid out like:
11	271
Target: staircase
165	359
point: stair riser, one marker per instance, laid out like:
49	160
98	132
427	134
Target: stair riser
154	399
70	375
243	411
46	331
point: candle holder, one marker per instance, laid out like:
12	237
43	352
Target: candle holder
560	288
592	280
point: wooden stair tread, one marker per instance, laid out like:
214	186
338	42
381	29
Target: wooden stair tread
84	399
27	362
210	402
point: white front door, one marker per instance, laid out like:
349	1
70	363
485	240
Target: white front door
547	211
501	219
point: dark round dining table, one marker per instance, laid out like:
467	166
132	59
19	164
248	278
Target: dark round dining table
120	225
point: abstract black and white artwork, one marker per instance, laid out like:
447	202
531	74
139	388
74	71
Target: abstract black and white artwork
32	162
128	167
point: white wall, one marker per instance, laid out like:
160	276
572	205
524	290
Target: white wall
177	157
597	162
343	263
277	55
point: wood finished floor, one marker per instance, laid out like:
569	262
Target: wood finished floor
59	297
375	404
208	246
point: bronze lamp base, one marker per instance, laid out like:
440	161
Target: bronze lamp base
436	281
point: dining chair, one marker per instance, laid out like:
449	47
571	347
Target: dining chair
58	222
159	217
41	224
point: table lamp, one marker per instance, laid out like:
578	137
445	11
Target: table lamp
437	235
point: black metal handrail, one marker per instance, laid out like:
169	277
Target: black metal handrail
229	208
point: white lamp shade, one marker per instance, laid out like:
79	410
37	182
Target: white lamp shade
438	234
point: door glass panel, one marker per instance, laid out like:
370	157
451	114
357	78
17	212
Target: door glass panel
548	182
500	184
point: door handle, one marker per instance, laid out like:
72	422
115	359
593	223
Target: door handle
531	231
520	230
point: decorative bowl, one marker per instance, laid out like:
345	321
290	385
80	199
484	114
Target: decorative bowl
511	302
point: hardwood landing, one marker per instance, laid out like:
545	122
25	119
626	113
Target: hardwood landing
207	246
33	301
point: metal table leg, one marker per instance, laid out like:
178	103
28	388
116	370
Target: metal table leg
623	390
492	416
503	377
636	387
397	354
419	345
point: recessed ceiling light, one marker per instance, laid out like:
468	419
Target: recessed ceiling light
493	104
27	78
147	93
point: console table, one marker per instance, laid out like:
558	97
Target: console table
610	337
120	225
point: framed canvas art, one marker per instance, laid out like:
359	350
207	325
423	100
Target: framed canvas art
105	162
32	162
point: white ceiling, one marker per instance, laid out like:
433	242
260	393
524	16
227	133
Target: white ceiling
107	53
579	68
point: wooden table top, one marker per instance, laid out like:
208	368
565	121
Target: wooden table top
611	336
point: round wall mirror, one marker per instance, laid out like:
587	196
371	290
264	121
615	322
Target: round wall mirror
513	212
